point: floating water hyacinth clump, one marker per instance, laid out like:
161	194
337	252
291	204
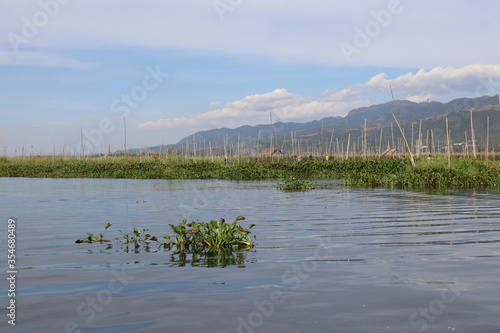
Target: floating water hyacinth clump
296	184
199	237
190	238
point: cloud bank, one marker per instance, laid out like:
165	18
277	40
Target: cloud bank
307	31
418	87
476	80
279	104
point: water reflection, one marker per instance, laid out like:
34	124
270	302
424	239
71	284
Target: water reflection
211	259
220	258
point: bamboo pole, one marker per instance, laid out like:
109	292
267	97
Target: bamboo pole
225	146
487	137
419	141
380	143
81	142
473	136
347	151
258	142
427	143
364	141
283	144
448	144
402	133
412	138
330	146
271	127
338	147
194	146
239	152
322	144
433	147
392	133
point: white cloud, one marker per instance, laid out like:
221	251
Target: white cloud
422	98
476	80
39	59
256	109
304	31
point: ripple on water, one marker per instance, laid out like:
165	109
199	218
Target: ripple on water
357	260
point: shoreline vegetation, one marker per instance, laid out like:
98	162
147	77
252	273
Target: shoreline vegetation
439	171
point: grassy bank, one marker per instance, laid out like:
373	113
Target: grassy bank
434	173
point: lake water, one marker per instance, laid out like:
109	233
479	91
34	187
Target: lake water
334	259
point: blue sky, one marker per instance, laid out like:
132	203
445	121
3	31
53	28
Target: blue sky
176	67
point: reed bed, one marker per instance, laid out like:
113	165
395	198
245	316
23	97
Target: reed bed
435	172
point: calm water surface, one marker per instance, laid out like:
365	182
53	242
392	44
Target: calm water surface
329	260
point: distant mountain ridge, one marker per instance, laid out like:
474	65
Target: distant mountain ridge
251	139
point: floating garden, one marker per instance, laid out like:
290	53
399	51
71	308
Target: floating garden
436	172
294	184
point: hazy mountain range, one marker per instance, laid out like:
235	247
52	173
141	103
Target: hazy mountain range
419	120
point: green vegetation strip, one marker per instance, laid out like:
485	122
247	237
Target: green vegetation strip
293	184
434	173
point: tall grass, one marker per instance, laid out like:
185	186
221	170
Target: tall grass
395	172
435	173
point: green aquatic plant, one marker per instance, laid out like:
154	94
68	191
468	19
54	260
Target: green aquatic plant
91	238
205	238
211	244
200	237
138	238
296	184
